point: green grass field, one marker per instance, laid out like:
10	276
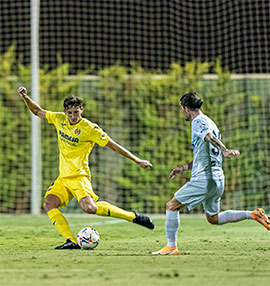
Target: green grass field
233	254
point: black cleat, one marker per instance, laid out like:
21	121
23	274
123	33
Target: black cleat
68	245
143	220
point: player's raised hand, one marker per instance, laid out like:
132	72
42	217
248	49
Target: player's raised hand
22	91
144	164
230	153
176	171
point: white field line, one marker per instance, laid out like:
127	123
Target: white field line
153	216
93	223
108	220
48	271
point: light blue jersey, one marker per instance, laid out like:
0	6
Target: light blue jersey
207	160
206	184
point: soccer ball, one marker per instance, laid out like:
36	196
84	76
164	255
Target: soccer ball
88	238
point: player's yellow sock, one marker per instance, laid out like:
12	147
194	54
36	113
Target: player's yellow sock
61	224
106	209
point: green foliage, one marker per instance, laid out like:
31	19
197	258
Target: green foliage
140	110
158	132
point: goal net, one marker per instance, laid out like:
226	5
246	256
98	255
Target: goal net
134	60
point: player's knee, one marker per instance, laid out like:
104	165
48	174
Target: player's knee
212	219
90	209
168	205
51	202
88	205
47	205
173	205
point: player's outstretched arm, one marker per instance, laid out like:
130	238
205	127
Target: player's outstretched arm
219	145
124	152
32	105
178	170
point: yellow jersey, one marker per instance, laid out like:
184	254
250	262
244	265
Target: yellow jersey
75	143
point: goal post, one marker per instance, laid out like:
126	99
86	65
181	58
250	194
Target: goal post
35	124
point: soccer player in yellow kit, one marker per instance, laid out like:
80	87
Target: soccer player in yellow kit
76	139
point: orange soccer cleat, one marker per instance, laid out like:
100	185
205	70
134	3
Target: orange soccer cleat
167	250
260	216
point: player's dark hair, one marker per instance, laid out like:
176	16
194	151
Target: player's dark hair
191	100
72	101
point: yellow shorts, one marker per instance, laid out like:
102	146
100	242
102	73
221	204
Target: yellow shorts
77	187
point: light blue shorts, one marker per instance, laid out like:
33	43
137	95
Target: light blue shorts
207	192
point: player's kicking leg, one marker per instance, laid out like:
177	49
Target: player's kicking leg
105	209
230	216
235	216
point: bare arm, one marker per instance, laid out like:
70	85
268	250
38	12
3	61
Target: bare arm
220	146
32	105
217	144
124	152
180	169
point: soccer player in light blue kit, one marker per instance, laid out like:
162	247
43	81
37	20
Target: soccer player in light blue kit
206	185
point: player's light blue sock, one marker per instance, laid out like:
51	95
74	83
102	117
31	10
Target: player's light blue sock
233	216
171	227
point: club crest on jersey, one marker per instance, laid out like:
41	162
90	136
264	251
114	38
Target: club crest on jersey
77	131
